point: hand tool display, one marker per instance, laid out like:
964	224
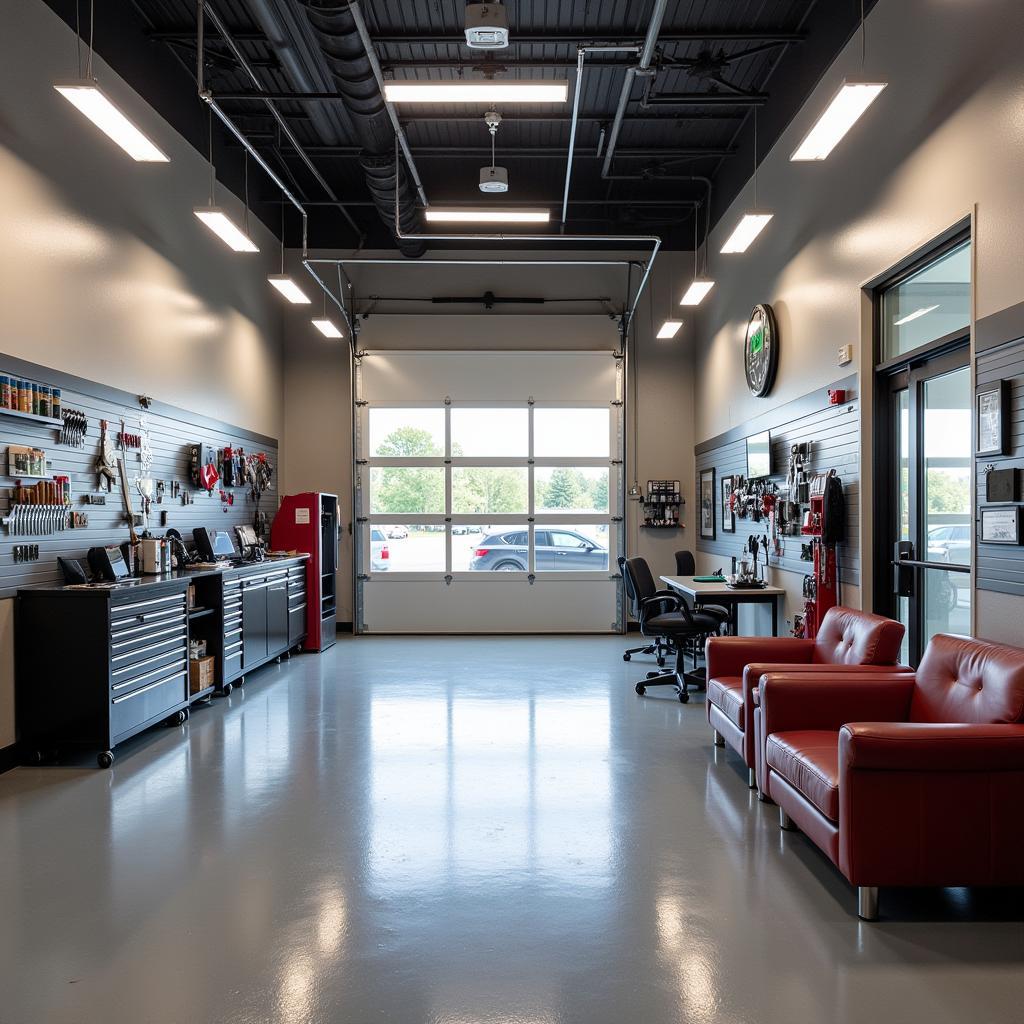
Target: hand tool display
76	425
25	520
26	552
662	503
22	461
29	396
258	473
106	461
126	499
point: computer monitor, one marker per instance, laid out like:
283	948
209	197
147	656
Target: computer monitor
759	455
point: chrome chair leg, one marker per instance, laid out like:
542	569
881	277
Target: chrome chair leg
751	778
867	902
719	738
786	822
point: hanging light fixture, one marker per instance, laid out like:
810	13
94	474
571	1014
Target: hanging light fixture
669	327
751	224
283	282
217	219
327	327
699	286
85	95
843	111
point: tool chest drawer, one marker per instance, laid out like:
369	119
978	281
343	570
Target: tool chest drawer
148	698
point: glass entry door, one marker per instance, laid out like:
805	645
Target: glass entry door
932	511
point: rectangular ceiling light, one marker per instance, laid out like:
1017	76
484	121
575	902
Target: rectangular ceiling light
497	215
842	113
696	293
225	228
924	311
670	328
327	328
749	227
87	96
477	91
289	289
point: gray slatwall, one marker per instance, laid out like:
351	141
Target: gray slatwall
1000	567
833	433
172	431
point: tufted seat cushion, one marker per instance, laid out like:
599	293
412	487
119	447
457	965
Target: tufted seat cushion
726	693
851	637
808	759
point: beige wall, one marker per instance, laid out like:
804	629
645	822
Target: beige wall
105	273
317	376
944	141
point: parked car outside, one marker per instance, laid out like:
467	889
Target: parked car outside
379	553
461	528
555	550
397	533
950	543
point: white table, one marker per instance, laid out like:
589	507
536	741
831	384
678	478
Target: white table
721	593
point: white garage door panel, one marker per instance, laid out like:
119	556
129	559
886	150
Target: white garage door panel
490	606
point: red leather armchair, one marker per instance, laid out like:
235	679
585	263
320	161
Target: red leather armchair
905	779
847	639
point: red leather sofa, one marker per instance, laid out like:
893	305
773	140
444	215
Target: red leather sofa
905	779
847	638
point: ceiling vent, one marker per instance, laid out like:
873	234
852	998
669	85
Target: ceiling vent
486	26
493	179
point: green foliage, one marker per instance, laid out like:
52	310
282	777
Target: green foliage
406	490
410	443
488	491
948	492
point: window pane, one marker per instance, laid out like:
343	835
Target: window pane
932	303
903	446
579	432
571	548
407	490
412	433
495	549
488	490
406	548
570	488
497	433
947	603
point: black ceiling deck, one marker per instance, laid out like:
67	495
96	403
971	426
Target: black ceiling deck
740	56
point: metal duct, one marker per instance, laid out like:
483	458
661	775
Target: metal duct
338	36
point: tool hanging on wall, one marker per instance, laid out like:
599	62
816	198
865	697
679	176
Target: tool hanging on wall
126	499
145	448
106	461
258	474
74	428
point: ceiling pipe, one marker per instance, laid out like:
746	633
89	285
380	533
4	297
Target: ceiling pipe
706	99
581	54
646	55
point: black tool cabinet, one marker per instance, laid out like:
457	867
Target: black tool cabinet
95	666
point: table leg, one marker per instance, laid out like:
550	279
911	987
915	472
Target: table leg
734	617
775	616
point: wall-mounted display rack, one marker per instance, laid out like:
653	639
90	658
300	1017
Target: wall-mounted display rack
661	505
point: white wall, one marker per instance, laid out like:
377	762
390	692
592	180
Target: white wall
944	141
105	273
317	378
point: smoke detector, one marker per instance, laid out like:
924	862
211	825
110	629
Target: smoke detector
493	179
486	26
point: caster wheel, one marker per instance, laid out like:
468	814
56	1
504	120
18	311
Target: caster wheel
278	659
240	681
187	713
661	662
227	689
684	697
626	657
35	757
640	689
105	759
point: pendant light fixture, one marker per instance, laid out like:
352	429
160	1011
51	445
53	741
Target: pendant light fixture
216	218
283	282
844	110
86	96
701	285
751	224
327	327
669	327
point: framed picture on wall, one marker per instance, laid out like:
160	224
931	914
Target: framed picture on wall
992	418
1000	524
728	515
706	497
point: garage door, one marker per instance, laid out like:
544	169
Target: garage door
488	489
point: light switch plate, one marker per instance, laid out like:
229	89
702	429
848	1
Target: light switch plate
845	354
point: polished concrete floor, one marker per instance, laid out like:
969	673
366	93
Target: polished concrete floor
459	831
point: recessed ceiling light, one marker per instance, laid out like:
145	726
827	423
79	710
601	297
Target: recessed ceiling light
670	328
480	91
749	227
289	289
842	113
493	216
915	315
87	96
696	293
225	228
327	328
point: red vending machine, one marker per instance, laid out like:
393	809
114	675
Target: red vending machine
309	522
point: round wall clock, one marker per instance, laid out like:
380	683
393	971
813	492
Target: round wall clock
761	350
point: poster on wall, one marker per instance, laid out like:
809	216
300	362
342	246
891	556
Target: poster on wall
992	424
1000	524
728	514
707	504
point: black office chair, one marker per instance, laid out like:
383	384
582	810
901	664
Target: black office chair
687	566
661	646
664	613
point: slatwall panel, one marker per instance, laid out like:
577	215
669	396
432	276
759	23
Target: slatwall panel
1000	567
834	435
171	432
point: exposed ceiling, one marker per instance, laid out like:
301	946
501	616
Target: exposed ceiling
716	65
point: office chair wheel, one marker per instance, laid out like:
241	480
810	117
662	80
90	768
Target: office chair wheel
105	759
684	697
640	689
627	657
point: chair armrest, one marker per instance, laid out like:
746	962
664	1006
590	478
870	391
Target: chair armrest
729	655
918	746
752	673
658	604
809	700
